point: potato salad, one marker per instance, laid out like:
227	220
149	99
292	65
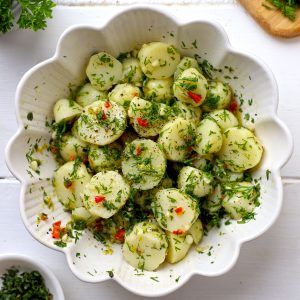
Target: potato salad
152	154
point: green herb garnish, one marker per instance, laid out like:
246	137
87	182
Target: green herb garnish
26	285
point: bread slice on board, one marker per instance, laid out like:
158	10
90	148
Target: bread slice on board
273	20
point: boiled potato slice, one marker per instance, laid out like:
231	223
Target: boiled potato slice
66	110
186	63
132	72
241	150
194	182
102	122
176	138
69	182
159	90
188	112
190	87
196	231
82	214
71	148
124	93
105	194
103	71
179	246
158	60
218	96
107	157
145	246
174	210
88	94
144	164
240	200
214	200
224	118
209	137
147	117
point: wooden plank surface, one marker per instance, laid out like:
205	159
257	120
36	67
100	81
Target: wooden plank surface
272	19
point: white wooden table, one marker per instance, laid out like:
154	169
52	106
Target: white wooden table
268	267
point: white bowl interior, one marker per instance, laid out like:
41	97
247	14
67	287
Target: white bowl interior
42	86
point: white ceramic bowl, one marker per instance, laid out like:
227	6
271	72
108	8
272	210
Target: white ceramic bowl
26	264
48	81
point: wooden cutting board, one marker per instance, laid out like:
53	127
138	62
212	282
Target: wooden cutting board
272	20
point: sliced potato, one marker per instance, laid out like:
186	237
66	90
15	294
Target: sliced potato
102	122
174	210
241	150
66	110
144	164
71	148
186	63
240	200
159	90
194	182
179	246
105	194
124	93
88	94
176	138
196	231
224	118
145	246
209	137
69	182
158	60
107	157
103	71
188	112
190	87
214	200
132	72
147	117
218	96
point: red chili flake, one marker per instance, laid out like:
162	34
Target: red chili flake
56	230
99	198
178	231
197	98
142	122
107	104
134	94
120	235
72	157
44	217
233	106
53	149
179	210
103	117
68	183
138	149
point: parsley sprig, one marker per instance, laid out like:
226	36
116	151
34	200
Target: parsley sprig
287	7
33	15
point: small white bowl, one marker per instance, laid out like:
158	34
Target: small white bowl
26	264
45	83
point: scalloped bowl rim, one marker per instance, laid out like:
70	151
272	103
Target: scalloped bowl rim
227	49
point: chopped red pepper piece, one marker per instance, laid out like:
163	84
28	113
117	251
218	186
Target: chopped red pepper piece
107	104
68	183
56	224
72	157
138	149
134	94
233	106
179	210
44	217
103	117
142	122
57	230
99	198
197	98
178	231
120	235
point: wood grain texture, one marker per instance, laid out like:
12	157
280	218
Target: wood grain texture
272	20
